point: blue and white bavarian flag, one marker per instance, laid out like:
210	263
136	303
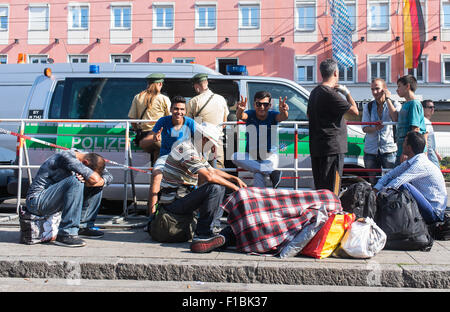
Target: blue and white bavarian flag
341	34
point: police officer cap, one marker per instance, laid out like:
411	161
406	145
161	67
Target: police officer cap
153	78
199	77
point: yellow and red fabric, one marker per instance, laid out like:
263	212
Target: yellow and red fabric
414	32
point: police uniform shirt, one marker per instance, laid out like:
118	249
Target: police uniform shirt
215	112
160	108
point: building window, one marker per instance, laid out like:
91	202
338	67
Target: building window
38	17
351	9
446	68
249	16
379	68
347	74
446	14
3	18
121	17
120	58
78	17
36	59
421	71
206	16
305	69
183	60
306	16
78	59
3	59
378	15
163	17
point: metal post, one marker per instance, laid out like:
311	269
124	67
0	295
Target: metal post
27	162
296	155
125	182
19	176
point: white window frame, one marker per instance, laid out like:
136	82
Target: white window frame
250	6
183	60
445	58
112	57
307	4
71	57
354	73
4	57
205	6
388	18
121	6
39	57
305	60
164	6
4	8
32	27
79	7
379	58
443	16
424	61
353	3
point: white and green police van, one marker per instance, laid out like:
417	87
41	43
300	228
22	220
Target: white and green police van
105	91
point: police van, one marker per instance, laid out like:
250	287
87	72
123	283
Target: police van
105	91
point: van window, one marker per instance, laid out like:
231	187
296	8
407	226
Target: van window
297	102
110	98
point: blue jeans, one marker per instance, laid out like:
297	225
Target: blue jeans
79	204
372	161
207	199
260	168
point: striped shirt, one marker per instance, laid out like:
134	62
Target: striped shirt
181	168
422	174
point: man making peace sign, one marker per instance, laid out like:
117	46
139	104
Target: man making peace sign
261	158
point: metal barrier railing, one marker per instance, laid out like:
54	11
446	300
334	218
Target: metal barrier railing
22	151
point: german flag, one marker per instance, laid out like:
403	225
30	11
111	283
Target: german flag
414	32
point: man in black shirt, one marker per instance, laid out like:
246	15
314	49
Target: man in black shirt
327	127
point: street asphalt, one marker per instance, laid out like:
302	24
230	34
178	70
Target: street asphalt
127	252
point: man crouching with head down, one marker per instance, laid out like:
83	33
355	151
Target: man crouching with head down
70	182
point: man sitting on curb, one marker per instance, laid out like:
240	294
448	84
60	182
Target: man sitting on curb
422	174
185	168
168	130
70	182
263	159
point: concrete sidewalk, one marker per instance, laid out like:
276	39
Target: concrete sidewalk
127	252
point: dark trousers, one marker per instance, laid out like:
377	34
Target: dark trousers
207	199
327	172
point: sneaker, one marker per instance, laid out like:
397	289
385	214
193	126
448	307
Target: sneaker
69	241
203	245
90	233
275	178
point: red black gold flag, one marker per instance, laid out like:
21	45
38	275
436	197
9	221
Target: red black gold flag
414	32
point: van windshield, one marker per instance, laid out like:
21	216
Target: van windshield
110	98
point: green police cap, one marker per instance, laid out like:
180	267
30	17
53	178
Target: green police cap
156	78
199	77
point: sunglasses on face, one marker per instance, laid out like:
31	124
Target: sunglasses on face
260	104
430	107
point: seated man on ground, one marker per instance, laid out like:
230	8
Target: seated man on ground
167	131
261	159
70	182
186	168
421	173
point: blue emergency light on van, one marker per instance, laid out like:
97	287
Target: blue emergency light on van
94	69
237	70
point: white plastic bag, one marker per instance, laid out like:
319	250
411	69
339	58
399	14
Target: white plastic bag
364	239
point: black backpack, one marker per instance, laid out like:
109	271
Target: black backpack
359	199
441	230
399	217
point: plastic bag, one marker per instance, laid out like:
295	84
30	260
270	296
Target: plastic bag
363	240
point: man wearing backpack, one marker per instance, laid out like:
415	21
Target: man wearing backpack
380	149
422	174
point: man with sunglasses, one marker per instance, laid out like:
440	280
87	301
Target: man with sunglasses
262	158
428	111
327	127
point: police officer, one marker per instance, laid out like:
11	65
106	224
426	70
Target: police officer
208	107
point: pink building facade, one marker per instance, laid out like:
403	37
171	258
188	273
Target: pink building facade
283	38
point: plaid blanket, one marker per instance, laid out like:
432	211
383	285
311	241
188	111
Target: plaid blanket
265	219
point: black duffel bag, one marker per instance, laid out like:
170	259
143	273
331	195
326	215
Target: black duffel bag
360	199
399	217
